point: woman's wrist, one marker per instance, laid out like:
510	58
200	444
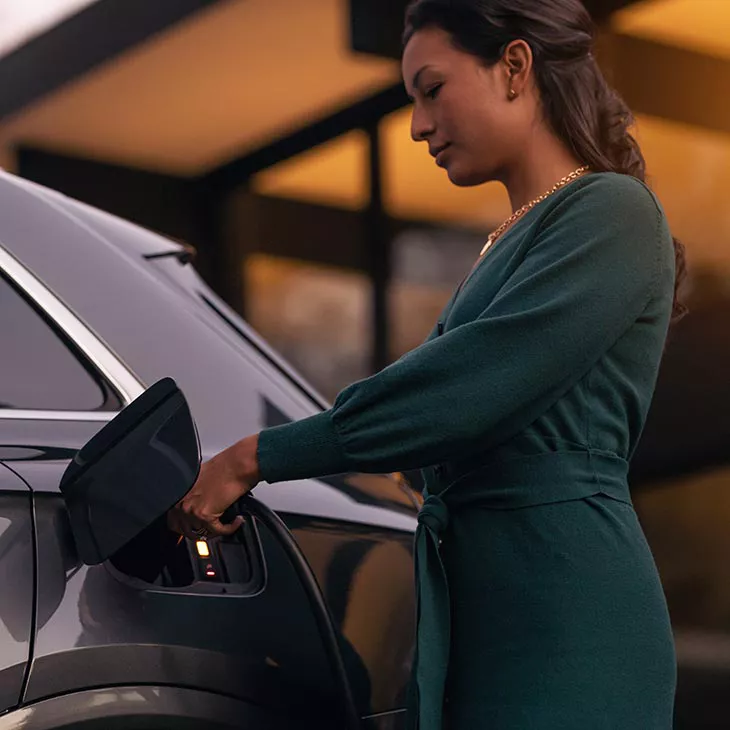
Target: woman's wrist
245	462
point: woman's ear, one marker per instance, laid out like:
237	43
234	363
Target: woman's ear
517	60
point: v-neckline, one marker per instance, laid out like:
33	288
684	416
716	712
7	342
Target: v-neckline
480	260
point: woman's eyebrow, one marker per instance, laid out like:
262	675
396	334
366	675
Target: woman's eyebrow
416	79
417	75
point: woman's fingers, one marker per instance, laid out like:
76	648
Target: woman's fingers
218	529
218	486
186	525
196	526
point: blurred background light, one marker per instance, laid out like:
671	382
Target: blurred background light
697	25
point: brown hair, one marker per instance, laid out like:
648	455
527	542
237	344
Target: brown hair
582	109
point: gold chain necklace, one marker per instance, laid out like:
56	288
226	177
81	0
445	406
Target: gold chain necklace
529	206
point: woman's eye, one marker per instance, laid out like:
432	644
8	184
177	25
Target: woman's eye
432	93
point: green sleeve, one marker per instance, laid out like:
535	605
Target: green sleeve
592	268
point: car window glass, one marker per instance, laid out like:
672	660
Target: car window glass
39	371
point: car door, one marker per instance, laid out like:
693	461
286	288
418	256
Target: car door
16	584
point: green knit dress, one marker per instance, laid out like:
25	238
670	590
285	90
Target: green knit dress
539	604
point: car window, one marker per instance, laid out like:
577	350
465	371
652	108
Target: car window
40	370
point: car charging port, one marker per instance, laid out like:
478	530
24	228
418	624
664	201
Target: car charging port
164	559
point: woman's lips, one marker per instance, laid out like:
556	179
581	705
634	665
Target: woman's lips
440	155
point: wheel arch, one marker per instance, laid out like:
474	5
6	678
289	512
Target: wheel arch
142	707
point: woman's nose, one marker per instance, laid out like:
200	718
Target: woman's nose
422	126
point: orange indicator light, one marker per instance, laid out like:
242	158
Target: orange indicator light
203	548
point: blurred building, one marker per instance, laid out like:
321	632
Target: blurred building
273	135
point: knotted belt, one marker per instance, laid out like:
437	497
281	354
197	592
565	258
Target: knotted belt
505	482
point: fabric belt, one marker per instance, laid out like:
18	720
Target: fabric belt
507	482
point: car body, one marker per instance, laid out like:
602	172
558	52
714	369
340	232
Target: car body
306	620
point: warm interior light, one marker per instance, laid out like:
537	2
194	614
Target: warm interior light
203	548
699	26
200	109
333	173
689	168
414	187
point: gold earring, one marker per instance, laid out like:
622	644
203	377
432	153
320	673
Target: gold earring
512	94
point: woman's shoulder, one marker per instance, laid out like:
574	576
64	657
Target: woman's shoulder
614	190
613	220
606	202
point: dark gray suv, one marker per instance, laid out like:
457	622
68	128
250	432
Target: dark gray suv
303	619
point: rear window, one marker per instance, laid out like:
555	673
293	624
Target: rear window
41	369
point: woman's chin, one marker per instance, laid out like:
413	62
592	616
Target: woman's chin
463	178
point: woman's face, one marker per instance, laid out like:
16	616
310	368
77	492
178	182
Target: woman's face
461	108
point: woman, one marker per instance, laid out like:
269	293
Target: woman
539	602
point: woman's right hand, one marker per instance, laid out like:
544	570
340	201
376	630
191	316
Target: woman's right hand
222	481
